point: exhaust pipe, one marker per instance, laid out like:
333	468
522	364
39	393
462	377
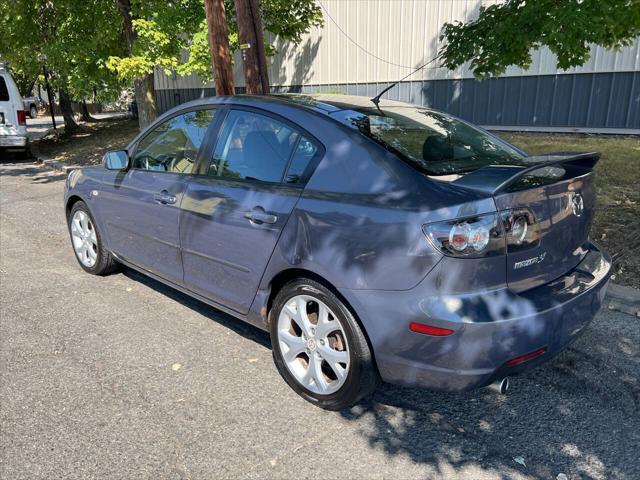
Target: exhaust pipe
500	386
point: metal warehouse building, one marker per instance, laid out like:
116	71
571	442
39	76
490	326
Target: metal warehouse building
367	43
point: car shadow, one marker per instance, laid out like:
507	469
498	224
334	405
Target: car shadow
242	328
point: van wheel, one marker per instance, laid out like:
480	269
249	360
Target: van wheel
87	243
318	346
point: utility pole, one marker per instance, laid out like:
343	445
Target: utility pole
219	42
252	45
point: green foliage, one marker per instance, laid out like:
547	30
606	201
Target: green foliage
162	30
290	19
83	45
169	29
505	33
73	38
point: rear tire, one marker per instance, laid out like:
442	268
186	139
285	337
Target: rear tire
321	353
87	243
33	111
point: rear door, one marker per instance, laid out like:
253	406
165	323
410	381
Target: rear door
233	214
141	208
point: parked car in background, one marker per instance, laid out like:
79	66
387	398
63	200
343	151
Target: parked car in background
13	120
373	242
31	106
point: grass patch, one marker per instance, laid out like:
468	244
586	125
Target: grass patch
617	222
87	145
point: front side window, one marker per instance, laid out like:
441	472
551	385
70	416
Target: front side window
433	142
173	145
253	146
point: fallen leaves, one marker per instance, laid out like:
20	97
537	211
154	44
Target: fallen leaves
520	460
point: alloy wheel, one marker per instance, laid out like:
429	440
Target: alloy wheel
85	241
313	344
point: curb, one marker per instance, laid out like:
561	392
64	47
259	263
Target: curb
48	162
56	165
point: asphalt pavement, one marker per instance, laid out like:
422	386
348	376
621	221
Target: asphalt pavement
121	377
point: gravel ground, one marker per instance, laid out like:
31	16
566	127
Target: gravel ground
121	377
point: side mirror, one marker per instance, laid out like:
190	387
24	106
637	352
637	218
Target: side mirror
118	160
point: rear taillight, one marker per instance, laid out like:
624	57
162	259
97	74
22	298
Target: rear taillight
471	237
22	117
485	235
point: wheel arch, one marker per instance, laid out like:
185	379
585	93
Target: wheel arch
284	276
71	201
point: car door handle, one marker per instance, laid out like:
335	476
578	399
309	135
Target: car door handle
259	216
165	198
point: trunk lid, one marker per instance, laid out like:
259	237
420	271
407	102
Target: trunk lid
560	191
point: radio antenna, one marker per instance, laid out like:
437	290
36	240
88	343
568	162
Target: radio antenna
376	99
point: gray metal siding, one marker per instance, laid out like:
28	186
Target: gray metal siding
609	100
387	39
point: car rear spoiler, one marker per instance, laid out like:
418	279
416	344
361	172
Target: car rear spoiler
494	179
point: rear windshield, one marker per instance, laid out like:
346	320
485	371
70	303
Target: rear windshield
4	91
434	143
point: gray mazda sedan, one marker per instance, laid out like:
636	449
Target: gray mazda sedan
374	242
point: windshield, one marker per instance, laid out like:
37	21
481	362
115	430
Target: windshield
433	142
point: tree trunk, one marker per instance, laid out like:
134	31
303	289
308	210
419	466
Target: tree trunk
143	86
85	116
219	42
50	99
70	124
145	98
97	105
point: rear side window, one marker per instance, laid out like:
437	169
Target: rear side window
304	153
4	91
253	146
173	145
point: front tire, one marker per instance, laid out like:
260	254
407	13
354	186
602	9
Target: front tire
319	347
87	242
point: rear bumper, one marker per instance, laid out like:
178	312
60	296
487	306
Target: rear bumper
13	141
491	327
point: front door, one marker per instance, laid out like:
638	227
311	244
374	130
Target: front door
232	217
142	206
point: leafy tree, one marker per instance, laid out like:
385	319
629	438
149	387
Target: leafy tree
505	33
100	45
164	30
73	38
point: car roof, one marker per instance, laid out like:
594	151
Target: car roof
331	103
315	102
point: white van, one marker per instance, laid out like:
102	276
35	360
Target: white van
13	119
